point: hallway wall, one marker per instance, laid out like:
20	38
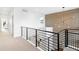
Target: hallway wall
27	19
0	24
63	20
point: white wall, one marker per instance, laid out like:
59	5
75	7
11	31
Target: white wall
0	24
10	21
4	19
10	28
27	19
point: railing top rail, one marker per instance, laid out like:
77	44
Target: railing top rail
73	33
61	30
40	30
74	29
47	31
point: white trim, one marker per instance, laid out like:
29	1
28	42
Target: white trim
40	49
31	43
34	45
73	47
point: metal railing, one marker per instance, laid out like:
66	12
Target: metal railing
51	41
46	40
62	39
69	38
73	39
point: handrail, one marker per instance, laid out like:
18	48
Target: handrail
41	30
73	29
73	33
61	30
67	29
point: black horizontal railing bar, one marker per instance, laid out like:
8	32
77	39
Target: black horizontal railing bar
62	43
41	30
53	38
47	40
44	42
43	37
54	42
44	45
49	35
73	33
52	47
46	36
44	48
45	33
50	43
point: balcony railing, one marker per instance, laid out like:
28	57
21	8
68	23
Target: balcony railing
51	41
69	38
46	40
73	39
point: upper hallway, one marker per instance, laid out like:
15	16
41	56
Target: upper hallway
34	17
51	19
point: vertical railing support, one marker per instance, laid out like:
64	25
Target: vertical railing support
36	37
21	31
26	33
58	41
48	43
66	38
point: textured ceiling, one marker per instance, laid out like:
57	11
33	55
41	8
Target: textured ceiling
47	10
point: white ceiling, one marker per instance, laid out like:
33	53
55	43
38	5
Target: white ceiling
47	10
39	10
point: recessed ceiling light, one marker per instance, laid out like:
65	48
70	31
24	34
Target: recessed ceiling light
24	10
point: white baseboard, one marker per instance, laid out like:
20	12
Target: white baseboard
34	45
73	47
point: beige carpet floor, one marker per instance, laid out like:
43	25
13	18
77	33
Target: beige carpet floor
8	43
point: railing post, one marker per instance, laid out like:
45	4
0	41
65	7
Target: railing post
26	33
21	31
36	37
48	43
58	41
66	38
